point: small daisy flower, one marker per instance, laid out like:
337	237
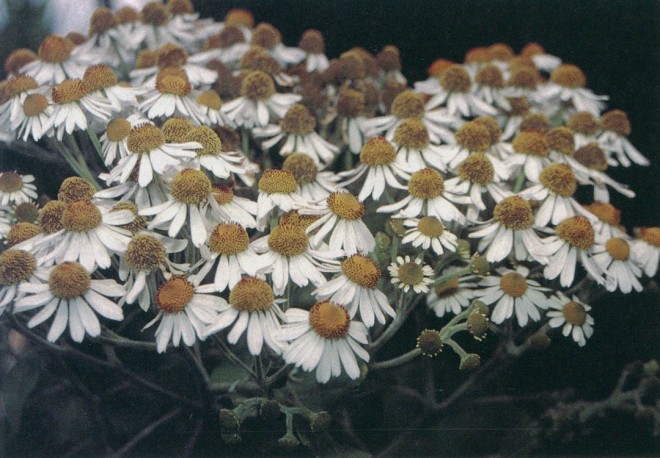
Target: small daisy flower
259	102
270	38
253	308
227	46
512	119
451	296
68	291
162	29
341	218
106	38
568	84
512	291
427	195
356	289
542	60
523	81
607	221
37	120
412	142
114	141
209	104
14	93
231	208
591	165
313	45
378	159
614	139
499	149
277	190
58	60
230	252
489	87
531	155
407	274
185	309
16	188
101	81
615	258
561	144
16	267
297	131
429	232
171	55
471	137
313	185
389	61
324	338
350	109
572	316
171	97
646	249
211	157
72	104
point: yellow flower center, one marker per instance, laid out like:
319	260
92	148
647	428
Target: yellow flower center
288	239
477	168
408	104
222	194
411	134
10	182
447	288
191	187
251	295
345	205
68	280
493	127
531	143
535	122
176	129
210	99
173	84
583	122
361	270
426	184
651	235
229	239
144	252
170	55
298	121
350	103
177	7
99	77
118	129
127	15
568	75
490	75
229	36
102	20
174	295
265	35
514	212
257	85
519	106
302	167
473	136
34	105
239	17
146	59
26	212
55	49
16	86
501	51
277	182
524	78
389	58
430	226
207	137
312	42
560	179
19	58
616	121
561	139
429	342
293	217
81	216
69	91
577	231
257	58
411	273
513	284
50	217
618	248
154	13
456	79
532	49
75	188
16	266
329	320
605	212
591	156
145	138
377	151
574	313
20	232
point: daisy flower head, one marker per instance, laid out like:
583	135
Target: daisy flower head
646	249
471	137
16	267
74	107
427	195
591	165
489	87
185	309
511	291
211	157
100	80
613	139
429	232
161	29
382	166
413	144
277	190
542	60
341	218
356	289
572	316
568	84
312	44
259	102
531	155
209	104
523	81
451	296
296	132
67	291
252	307
14	92
229	207
616	258
410	274
607	220
324	339
561	143
313	185
268	37
58	60
16	188
351	108
171	97
114	141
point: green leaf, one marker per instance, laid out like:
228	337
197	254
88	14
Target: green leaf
228	372
20	382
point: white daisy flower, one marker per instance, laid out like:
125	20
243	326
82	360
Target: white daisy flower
472	137
171	97
231	208
523	81
350	110
106	38
607	220
253	308
341	219
16	267
324	338
114	141
101	81
270	38
489	87
572	316
543	61
227	46
16	188
313	185
513	291
211	157
68	291
531	155
428	232
172	55
646	249
209	104
356	289
72	104
614	139
617	259
451	296
37	119
15	90
567	83
407	274
591	164
414	148
58	60
312	44
185	309
162	29
277	190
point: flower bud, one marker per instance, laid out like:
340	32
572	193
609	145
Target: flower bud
469	362
479	265
429	342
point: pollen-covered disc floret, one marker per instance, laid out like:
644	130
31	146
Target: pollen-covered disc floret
174	295
251	295
568	75
68	280
145	138
426	184
513	284
408	104
16	266
561	140
257	86
173	84
531	143
514	212
205	136
345	205
34	105
329	320
75	188
477	168
411	134
429	342
456	79
228	239
430	226
191	187
410	274
99	77
361	270
577	231
81	216
288	239
592	157
377	151
583	122
605	212
10	182
55	49
616	121
277	182
69	91
144	252
618	248
50	216
560	179
118	129
21	232
303	168
298	121
473	136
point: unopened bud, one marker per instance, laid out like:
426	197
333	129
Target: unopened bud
395	227
229	421
477	324
463	249
429	342
288	442
540	341
482	308
479	265
469	362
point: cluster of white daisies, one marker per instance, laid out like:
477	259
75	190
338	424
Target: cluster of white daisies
230	186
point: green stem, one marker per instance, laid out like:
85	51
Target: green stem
398	361
456	347
122	63
520	181
95	142
455	274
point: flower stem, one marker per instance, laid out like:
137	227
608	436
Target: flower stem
398	361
